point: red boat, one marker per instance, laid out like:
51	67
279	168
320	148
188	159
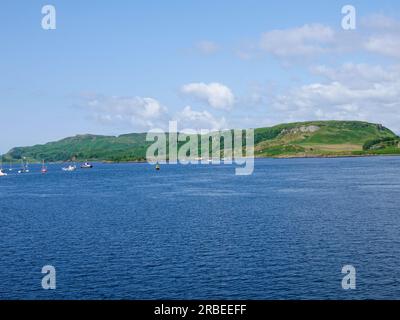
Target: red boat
44	168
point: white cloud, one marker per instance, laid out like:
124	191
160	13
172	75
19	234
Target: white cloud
382	35
358	75
216	95
207	47
375	97
140	113
197	120
379	22
307	40
377	34
388	44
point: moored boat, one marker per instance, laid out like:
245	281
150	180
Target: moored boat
86	165
69	168
24	167
44	168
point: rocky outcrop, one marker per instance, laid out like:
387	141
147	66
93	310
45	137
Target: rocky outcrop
302	129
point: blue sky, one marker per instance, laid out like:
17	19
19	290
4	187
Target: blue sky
128	66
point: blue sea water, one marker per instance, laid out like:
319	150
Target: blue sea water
125	231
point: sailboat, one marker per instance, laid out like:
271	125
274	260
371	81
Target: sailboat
44	168
11	168
24	167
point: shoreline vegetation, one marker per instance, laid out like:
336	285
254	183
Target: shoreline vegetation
312	139
222	161
256	158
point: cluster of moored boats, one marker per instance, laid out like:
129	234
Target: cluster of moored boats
73	167
25	168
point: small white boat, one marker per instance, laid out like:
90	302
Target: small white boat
86	165
69	168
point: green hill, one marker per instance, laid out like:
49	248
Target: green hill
305	139
322	138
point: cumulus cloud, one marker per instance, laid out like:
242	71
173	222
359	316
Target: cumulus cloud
215	95
382	35
358	75
388	44
140	113
374	97
197	120
379	22
377	34
207	47
307	40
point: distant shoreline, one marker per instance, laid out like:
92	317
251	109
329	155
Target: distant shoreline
333	156
221	160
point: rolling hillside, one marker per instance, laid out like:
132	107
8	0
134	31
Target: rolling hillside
305	139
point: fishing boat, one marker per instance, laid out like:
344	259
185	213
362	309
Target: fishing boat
44	168
158	167
86	165
69	168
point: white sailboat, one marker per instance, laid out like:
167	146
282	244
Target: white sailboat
24	167
70	168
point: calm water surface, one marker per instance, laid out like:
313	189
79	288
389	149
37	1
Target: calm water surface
125	231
